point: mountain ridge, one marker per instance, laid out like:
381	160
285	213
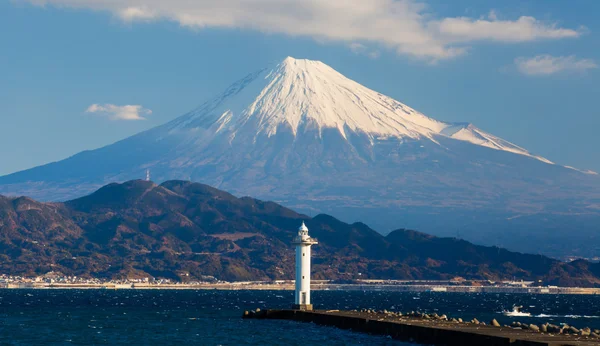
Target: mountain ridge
185	231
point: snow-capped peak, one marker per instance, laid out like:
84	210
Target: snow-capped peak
301	93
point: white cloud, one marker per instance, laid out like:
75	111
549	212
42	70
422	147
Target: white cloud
405	26
114	112
524	29
547	64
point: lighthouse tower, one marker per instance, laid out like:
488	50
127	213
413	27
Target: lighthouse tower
303	243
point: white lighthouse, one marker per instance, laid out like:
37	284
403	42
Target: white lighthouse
303	243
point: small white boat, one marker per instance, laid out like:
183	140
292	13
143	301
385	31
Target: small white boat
516	311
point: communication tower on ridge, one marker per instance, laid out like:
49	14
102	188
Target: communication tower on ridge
147	175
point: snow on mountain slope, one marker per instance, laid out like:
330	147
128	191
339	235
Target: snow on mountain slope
469	133
299	91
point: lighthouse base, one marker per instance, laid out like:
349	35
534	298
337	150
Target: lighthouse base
303	307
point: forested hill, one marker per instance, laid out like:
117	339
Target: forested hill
184	231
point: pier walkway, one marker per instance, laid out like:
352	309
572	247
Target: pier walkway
423	331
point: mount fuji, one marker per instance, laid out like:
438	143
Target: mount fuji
302	134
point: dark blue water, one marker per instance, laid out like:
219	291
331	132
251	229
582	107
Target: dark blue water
175	317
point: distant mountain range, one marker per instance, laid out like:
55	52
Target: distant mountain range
183	231
304	135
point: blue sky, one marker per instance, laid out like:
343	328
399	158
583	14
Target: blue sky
526	71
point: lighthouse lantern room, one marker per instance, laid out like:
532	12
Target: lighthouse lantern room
303	243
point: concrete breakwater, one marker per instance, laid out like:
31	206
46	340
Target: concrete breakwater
432	329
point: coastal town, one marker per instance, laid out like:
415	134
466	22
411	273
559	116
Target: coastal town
54	280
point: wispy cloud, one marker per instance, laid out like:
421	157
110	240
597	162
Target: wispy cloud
408	27
136	14
547	64
361	49
114	112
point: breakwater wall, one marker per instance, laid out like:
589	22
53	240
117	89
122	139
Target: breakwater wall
423	331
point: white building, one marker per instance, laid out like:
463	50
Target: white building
303	243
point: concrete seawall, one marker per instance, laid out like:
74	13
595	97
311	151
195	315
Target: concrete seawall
424	331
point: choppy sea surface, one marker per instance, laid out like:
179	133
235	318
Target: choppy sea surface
207	317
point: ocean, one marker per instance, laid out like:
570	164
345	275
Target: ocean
211	317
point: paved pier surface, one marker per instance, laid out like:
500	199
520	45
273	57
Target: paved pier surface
423	331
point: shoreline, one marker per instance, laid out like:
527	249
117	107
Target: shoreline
316	287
